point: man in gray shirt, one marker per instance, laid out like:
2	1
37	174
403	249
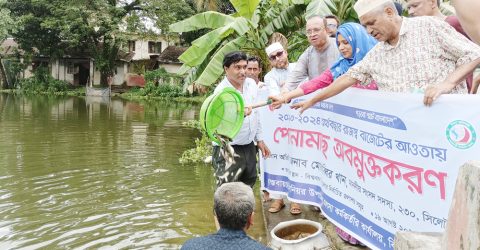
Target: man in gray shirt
321	54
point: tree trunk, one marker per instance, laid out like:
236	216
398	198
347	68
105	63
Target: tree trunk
3	76
105	79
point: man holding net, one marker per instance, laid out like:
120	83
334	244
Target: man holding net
244	166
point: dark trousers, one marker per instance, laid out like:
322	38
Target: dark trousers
244	169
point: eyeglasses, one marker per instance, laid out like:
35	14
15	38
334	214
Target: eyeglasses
314	31
275	56
331	25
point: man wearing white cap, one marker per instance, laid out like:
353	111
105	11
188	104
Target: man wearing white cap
321	54
421	54
276	78
275	81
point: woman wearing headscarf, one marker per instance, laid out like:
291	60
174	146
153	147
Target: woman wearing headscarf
353	42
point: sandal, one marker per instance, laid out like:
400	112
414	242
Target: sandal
266	196
276	206
295	208
347	237
315	209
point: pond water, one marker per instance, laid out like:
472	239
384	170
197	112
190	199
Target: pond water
93	173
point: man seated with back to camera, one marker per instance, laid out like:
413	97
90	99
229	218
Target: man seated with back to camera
233	205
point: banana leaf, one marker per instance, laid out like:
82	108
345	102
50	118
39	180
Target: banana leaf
320	7
245	8
208	19
214	69
290	18
196	53
200	48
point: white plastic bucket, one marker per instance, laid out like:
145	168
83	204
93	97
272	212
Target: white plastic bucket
316	239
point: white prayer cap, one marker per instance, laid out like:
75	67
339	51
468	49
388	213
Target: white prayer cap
362	7
273	47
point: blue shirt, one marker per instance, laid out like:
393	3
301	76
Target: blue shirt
224	239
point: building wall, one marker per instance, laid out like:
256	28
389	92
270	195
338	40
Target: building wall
171	68
141	48
120	76
59	68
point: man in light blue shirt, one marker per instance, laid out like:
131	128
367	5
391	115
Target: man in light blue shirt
233	204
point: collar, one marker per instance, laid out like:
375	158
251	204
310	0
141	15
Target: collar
328	44
244	85
404	28
231	232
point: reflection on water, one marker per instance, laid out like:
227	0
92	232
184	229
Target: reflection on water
82	173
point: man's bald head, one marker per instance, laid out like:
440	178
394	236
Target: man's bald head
316	33
364	7
423	7
380	18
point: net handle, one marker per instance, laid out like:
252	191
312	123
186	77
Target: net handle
261	104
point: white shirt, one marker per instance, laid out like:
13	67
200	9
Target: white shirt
276	78
251	128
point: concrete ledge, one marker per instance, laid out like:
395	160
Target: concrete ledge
463	225
418	241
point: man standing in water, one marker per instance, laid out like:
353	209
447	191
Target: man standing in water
233	204
245	167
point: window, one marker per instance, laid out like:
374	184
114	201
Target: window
131	46
72	69
154	47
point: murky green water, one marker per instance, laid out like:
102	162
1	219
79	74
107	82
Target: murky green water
80	173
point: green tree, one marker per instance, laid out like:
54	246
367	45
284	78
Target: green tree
160	14
222	6
56	27
6	26
6	21
343	9
248	29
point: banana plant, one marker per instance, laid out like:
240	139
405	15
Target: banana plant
343	9
248	29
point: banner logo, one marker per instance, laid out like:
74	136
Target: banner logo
461	134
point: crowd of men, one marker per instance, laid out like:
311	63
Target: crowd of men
426	53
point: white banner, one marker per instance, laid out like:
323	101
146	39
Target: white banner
375	162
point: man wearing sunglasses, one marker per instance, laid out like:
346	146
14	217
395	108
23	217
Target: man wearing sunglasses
278	58
275	81
331	23
318	57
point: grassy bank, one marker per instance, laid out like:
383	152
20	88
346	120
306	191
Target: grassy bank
129	95
132	96
70	92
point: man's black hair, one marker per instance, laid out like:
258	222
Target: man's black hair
233	57
255	59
